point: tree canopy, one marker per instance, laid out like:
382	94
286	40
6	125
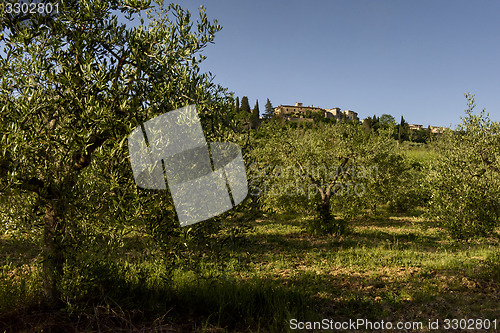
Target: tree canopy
73	86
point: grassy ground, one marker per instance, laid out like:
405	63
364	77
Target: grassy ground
387	268
391	269
419	151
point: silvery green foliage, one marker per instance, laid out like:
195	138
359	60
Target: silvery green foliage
466	177
73	86
340	166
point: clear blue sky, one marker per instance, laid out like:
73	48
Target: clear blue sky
410	58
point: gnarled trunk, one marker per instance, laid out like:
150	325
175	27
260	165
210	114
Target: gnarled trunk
324	209
53	255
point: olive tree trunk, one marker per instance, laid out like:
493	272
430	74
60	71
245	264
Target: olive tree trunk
53	252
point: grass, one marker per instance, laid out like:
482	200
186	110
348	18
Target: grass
419	151
391	269
396	266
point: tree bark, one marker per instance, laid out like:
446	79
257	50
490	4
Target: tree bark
324	210
53	255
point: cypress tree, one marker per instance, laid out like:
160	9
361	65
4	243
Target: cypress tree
255	115
375	123
403	130
269	110
245	107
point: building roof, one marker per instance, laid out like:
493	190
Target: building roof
297	106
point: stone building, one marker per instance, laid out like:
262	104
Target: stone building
298	111
350	115
437	129
415	126
334	113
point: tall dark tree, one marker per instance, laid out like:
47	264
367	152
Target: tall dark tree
403	130
269	110
375	124
255	115
237	104
245	107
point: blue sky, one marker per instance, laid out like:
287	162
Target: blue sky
410	58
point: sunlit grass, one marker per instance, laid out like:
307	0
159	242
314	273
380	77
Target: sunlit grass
397	267
419	151
388	268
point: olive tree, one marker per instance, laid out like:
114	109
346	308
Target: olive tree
74	84
331	168
466	177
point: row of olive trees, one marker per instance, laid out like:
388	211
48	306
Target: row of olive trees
337	171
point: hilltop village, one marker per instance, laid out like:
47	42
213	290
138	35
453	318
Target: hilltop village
298	112
301	113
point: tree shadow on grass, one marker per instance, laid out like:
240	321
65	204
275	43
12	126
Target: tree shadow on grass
414	295
374	234
302	242
267	303
17	251
218	305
